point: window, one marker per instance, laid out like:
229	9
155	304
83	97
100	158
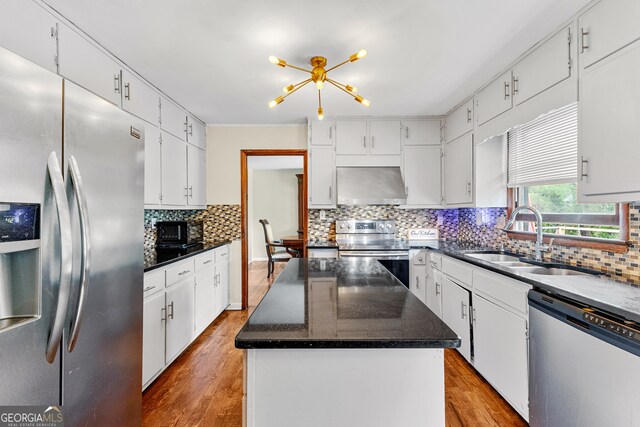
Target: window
542	172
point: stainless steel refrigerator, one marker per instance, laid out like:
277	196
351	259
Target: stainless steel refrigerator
71	248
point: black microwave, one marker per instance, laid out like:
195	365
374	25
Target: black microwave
178	233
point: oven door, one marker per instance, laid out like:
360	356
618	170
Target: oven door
397	262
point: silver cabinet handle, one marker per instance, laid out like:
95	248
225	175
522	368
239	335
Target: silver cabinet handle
330	132
438	291
191	191
583	162
207	261
583	46
469	187
116	82
127	91
66	266
364	141
183	272
163	314
420	259
171	312
515	86
406	190
148	288
224	254
468	115
330	192
191	129
373	142
186	192
406	132
473	315
417	282
463	308
85	251
186	124
506	90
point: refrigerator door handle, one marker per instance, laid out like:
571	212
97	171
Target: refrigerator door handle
85	236
64	285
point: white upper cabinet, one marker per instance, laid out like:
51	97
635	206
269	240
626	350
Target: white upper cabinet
29	31
351	137
322	177
494	99
196	176
458	171
546	66
174	171
606	28
196	133
490	172
609	129
385	136
86	65
422	176
321	132
459	122
421	132
139	98
152	166
173	119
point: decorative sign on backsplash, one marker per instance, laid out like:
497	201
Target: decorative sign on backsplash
423	234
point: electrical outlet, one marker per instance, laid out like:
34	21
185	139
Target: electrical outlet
500	221
153	222
440	219
323	215
479	219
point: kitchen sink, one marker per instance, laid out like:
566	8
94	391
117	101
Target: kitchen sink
497	258
549	271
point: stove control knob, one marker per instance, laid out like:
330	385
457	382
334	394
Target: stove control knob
388	225
349	226
341	226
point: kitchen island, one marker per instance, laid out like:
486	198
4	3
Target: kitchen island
342	342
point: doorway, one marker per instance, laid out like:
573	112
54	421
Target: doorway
267	160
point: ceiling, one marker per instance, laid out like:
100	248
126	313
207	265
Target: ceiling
425	56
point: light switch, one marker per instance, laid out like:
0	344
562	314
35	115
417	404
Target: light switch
323	215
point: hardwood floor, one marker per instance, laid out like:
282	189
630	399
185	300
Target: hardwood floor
203	387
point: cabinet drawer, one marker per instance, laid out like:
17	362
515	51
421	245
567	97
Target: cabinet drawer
435	259
419	258
457	270
153	282
502	289
205	260
222	253
179	271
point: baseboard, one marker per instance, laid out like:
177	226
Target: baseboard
235	306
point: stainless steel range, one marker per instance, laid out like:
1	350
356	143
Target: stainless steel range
375	239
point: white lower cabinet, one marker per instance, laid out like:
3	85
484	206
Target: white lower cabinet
153	336
433	292
205	299
180	310
418	273
222	279
501	352
455	313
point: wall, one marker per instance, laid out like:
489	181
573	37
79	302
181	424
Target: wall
274	195
223	176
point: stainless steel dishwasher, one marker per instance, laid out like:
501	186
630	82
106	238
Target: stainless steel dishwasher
584	365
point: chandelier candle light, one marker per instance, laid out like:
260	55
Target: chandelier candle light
319	77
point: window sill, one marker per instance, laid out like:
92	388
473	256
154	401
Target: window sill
609	245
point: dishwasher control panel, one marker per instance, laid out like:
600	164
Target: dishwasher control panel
628	330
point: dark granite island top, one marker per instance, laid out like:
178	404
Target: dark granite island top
342	303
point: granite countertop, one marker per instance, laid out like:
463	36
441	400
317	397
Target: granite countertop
156	258
342	303
597	291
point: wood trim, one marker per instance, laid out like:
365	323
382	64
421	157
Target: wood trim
616	246
244	202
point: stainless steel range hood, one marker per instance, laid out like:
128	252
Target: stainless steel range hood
371	186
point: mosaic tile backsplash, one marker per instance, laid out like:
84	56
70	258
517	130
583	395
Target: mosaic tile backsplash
462	225
219	222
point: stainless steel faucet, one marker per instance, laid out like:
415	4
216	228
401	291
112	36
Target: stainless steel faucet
539	246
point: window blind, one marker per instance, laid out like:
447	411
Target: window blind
545	150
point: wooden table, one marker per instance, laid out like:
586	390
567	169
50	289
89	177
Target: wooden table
294	245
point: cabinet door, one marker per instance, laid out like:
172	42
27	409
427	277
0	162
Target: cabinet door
433	293
140	99
153	332
460	121
422	177
421	132
173	119
180	307
152	165
195	133
322	177
609	125
501	350
222	284
205	299
28	30
174	171
196	176
351	137
546	66
385	136
495	99
458	171
417	281
606	28
88	66
321	132
455	313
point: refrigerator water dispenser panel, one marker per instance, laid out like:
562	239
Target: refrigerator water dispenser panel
19	264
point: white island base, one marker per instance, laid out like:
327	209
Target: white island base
377	387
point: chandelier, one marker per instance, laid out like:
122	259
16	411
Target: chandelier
319	77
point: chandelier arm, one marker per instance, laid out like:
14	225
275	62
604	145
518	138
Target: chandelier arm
336	66
298	68
336	82
319	99
301	85
344	90
304	81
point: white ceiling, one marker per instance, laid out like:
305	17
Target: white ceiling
425	56
275	162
